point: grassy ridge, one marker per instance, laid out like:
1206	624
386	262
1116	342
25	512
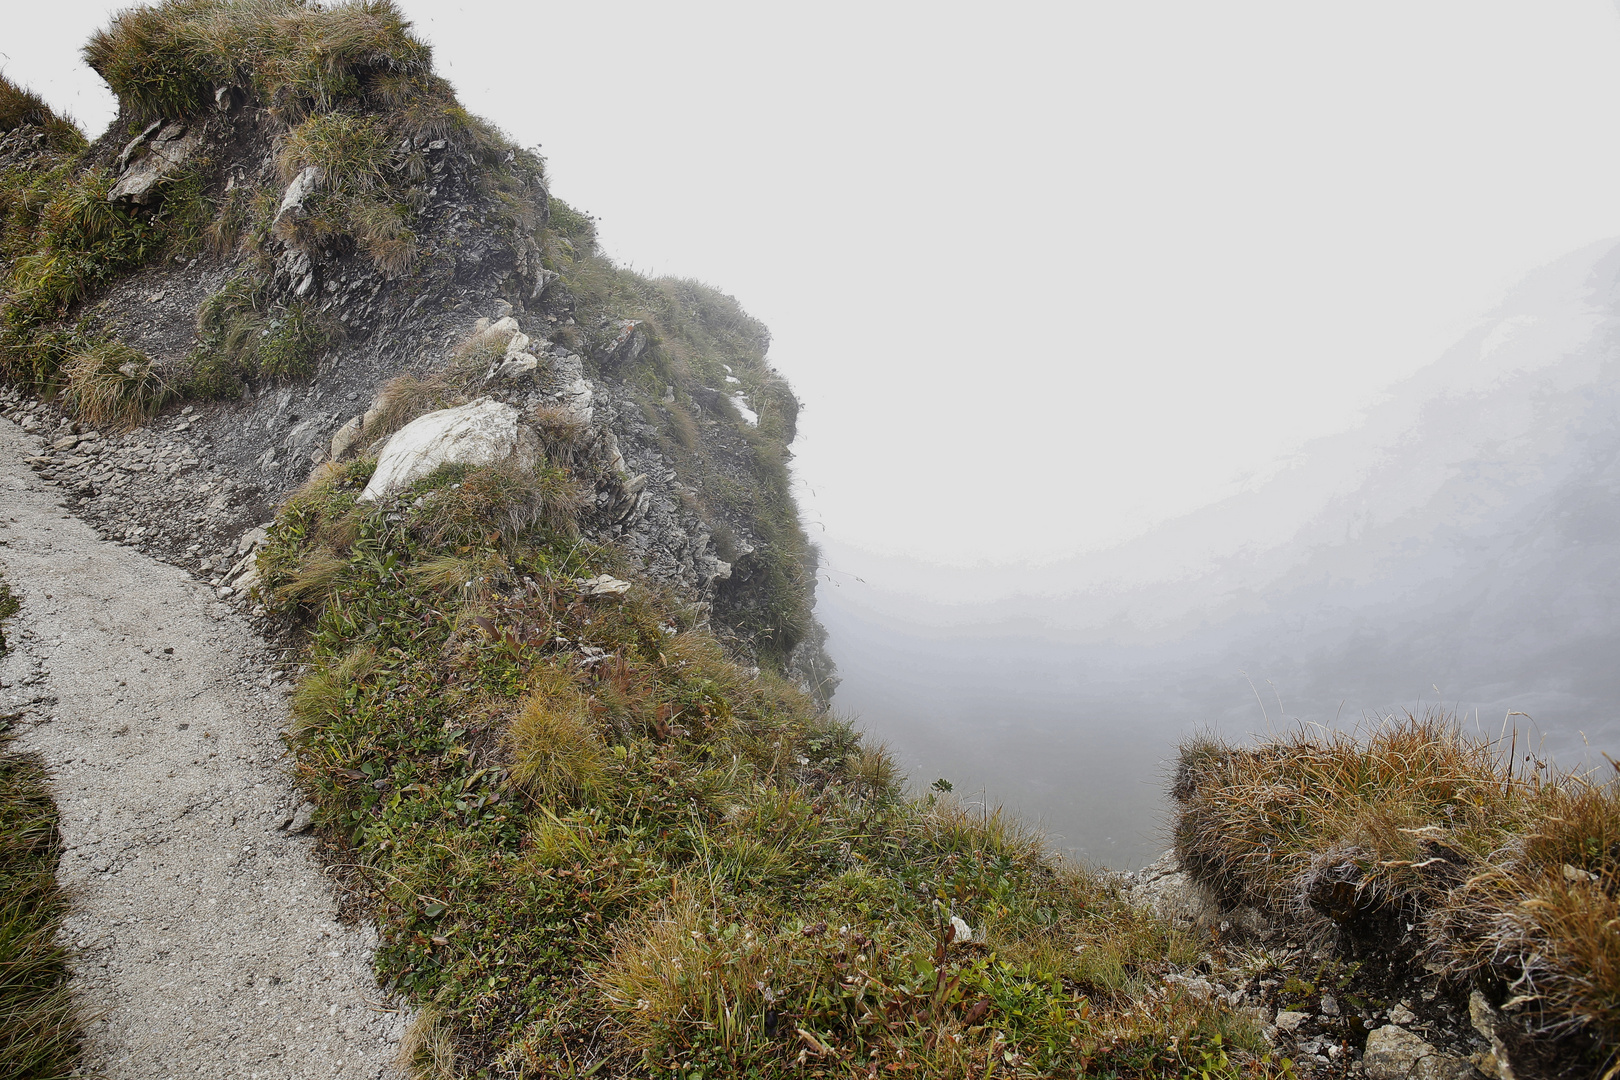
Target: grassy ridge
40	1024
595	846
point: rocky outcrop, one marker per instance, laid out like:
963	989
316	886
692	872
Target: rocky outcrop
153	156
696	496
1314	1005
179	487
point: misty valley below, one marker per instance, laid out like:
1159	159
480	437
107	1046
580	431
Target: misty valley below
1457	551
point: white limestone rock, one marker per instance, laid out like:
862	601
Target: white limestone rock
603	585
515	367
1393	1053
1171	892
482	432
1290	1021
573	389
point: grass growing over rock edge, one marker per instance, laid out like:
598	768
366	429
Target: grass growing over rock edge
594	845
41	1025
1460	851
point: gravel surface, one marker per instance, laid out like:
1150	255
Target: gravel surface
207	933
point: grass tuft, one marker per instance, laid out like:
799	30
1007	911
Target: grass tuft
462	504
428	1052
557	753
111	385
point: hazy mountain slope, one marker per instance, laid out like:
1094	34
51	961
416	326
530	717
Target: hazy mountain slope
1461	546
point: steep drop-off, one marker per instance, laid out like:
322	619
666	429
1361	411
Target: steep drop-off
1458	547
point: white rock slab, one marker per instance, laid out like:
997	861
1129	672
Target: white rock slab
482	432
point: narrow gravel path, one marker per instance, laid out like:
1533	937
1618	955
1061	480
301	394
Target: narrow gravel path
208	934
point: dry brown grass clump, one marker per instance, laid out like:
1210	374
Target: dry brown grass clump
24	108
111	385
1543	914
557	753
428	1050
1507	874
1324	823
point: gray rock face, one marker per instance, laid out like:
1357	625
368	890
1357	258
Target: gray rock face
1492	1062
1393	1053
167	153
303	185
1166	888
626	347
482	432
134	145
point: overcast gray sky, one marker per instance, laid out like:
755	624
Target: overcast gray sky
1045	274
